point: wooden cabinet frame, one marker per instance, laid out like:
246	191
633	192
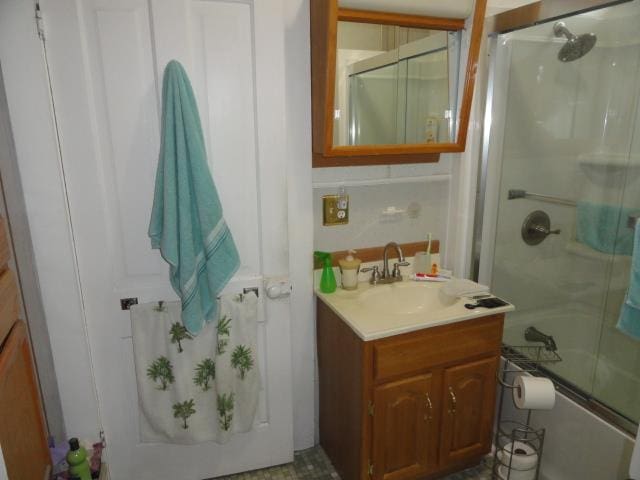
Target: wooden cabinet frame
23	429
22	425
325	15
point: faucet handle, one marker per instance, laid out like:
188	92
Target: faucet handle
375	273
396	269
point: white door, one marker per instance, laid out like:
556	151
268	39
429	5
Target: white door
106	59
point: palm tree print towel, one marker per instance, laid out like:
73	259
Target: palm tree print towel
196	389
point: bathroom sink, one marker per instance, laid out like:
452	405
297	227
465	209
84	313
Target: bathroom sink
406	299
381	311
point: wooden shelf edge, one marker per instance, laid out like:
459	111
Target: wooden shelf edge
323	161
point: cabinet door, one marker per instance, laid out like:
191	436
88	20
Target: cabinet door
469	404
404	429
23	433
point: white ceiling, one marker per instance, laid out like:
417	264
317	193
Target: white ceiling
498	6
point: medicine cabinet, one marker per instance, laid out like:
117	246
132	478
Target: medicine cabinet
387	82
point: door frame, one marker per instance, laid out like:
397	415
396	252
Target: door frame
13	209
38	162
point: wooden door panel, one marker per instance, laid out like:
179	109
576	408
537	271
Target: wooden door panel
469	393
22	428
404	429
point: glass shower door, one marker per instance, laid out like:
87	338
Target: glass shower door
617	374
564	187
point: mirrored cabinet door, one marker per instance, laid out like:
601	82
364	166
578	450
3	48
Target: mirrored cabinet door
392	87
395	85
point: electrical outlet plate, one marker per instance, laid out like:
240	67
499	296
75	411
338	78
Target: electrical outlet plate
335	210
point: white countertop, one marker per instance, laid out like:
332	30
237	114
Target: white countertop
375	312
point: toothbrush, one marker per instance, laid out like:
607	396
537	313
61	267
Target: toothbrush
429	244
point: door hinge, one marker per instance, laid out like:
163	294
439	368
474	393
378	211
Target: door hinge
370	469
371	408
39	22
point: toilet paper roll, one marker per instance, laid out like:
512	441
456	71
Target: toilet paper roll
523	464
503	473
534	393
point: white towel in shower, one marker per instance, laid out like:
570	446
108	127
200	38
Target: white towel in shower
196	389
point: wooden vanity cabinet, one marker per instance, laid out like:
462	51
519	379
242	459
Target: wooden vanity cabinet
414	405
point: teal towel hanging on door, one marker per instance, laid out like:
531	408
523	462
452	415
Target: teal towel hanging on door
187	224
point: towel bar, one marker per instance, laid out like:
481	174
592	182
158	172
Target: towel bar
126	303
515	193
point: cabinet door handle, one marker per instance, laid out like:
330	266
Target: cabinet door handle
429	415
454	401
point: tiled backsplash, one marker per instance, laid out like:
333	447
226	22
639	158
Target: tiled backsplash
371	190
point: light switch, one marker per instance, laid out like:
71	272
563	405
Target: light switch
335	210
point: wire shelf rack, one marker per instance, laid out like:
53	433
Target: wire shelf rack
511	434
528	358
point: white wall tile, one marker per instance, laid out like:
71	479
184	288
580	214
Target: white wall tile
368	227
344	174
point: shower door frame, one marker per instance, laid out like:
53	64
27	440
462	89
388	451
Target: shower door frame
517	19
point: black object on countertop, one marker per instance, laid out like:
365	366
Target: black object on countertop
493	302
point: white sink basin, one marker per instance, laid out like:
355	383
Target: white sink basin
381	311
405	299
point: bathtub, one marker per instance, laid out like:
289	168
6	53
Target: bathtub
610	377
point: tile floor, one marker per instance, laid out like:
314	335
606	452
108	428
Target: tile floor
313	464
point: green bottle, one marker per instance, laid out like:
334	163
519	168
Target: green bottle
328	280
77	460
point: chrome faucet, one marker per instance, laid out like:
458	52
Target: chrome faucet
386	276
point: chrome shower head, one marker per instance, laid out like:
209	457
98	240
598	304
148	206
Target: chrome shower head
576	46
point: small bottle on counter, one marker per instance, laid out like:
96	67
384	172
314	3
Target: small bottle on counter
349	269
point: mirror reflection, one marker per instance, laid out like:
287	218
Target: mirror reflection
395	85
